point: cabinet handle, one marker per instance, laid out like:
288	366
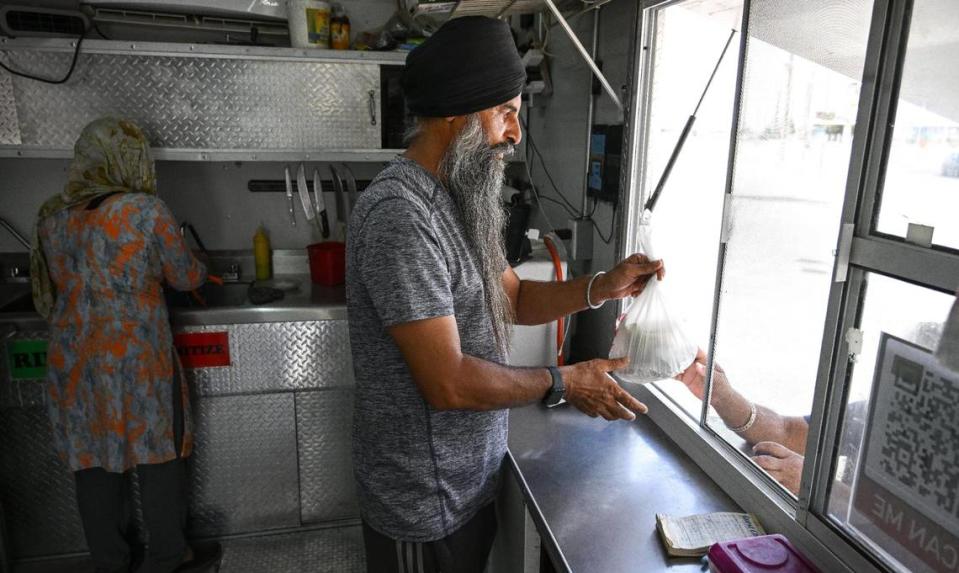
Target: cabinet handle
372	95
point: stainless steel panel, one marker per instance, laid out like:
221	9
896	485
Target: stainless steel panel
335	550
36	488
279	356
199	103
324	421
243	472
9	126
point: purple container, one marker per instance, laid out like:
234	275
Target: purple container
763	554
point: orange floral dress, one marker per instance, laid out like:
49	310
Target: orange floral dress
110	358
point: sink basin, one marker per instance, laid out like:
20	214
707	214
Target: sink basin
22	303
214	296
16	298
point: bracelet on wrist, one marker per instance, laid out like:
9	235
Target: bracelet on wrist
589	288
749	422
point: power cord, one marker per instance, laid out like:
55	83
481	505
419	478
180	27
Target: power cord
73	65
612	227
531	143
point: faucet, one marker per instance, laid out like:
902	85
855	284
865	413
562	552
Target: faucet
20	238
232	274
196	237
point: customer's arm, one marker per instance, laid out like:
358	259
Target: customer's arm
735	410
539	302
452	380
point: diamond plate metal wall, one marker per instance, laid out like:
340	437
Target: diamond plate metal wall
267	357
324	421
9	125
243	471
36	488
195	102
334	550
275	456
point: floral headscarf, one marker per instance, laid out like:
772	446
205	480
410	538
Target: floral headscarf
111	156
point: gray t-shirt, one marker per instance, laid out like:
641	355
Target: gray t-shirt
421	473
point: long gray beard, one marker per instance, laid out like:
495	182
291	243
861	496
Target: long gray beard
473	173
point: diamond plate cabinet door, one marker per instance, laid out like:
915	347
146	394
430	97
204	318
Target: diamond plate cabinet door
276	356
324	421
194	102
37	491
243	471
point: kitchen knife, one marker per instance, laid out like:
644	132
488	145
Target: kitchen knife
304	192
338	192
320	204
289	194
350	191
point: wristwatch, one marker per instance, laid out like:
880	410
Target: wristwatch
557	392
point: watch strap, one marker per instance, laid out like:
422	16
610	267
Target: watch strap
558	390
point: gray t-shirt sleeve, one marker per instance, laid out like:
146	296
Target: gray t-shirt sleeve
401	264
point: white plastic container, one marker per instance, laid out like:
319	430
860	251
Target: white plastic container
309	22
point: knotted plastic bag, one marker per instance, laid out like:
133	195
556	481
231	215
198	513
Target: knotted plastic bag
648	333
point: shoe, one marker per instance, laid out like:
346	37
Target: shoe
206	558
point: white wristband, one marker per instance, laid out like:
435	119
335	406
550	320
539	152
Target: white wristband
589	288
749	423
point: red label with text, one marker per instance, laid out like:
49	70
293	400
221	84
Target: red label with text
203	349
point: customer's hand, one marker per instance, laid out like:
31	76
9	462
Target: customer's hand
628	278
694	377
783	464
591	389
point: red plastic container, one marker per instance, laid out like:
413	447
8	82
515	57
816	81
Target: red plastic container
766	554
327	263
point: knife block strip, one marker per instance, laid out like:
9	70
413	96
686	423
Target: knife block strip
279	185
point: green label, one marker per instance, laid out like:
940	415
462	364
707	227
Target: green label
27	359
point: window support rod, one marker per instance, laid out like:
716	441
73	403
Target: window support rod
582	51
686	129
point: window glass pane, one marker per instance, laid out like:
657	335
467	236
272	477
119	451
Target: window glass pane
687	237
922	173
896	478
801	85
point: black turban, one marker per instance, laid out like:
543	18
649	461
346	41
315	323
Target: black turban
468	65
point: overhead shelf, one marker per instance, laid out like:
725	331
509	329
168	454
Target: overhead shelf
245	155
491	8
197	102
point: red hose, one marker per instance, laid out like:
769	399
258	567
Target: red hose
560	322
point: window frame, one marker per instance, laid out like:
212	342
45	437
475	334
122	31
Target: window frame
860	250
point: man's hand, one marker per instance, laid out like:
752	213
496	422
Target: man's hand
783	464
590	388
628	278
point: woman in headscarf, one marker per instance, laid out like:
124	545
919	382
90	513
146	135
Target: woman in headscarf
102	250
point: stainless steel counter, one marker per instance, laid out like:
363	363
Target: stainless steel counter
308	302
594	488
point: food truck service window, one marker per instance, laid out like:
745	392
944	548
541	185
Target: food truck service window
811	231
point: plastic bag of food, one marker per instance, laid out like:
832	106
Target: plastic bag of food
648	333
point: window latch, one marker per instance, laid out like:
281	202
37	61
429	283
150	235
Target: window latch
854	343
846	234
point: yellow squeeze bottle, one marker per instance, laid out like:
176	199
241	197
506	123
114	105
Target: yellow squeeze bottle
262	254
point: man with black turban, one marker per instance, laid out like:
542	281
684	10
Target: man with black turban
431	303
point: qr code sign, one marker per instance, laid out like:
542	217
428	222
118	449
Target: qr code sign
914	438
